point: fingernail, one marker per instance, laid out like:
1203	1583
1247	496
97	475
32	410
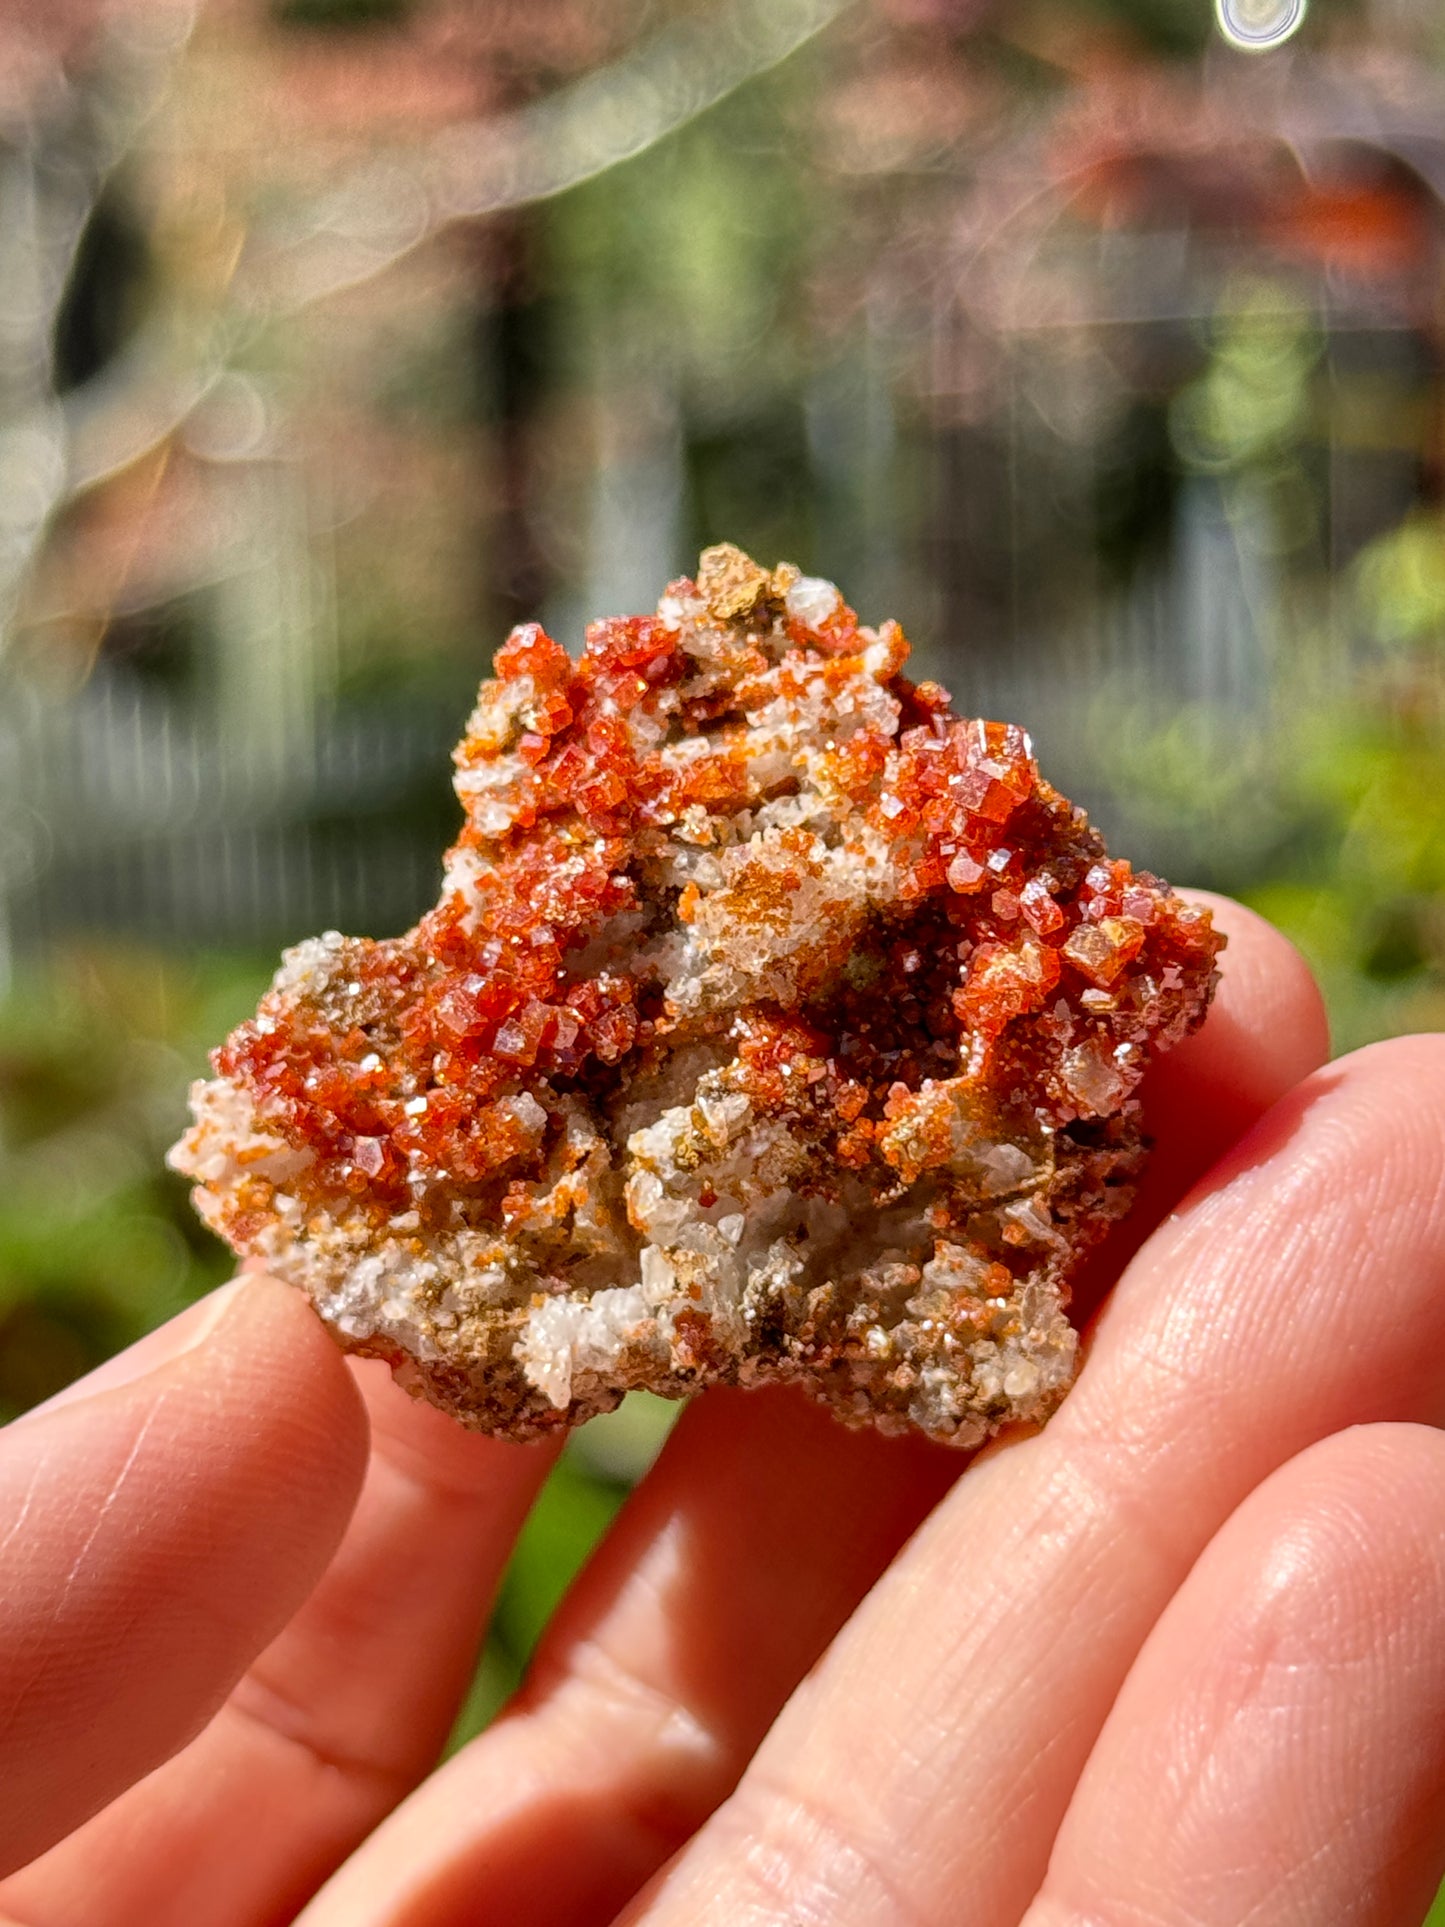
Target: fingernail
181	1334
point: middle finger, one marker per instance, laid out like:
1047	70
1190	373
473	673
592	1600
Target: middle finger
751	1541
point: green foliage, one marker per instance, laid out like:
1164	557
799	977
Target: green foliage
1254	421
575	1509
97	1240
340	14
1363	894
698	250
1328	821
1401	584
681	281
577	1505
1174	28
1327	810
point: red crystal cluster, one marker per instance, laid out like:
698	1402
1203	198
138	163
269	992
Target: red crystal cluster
773	1022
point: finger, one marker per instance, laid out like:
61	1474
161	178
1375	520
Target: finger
337	1719
733	1565
1266	1030
158	1533
921	1773
754	1537
1278	1751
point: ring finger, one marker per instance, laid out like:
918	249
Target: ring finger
921	1773
1278	1750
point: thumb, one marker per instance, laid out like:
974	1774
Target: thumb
156	1531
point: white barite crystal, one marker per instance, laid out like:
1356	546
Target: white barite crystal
307	969
566	1337
812	601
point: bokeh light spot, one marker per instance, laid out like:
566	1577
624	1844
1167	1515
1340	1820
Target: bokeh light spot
1259	24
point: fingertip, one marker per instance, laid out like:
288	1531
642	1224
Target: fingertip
1265	1031
264	1338
293	1437
1394	1112
1267	1027
160	1531
1417	1057
1385	1472
266	1345
437	1451
1330	1554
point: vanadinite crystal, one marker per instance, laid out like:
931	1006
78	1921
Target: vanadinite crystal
774	1024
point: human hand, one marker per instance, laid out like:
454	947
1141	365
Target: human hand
1179	1657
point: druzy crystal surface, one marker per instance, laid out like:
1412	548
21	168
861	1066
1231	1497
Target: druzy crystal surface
774	1023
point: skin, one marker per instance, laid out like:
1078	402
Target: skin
1178	1658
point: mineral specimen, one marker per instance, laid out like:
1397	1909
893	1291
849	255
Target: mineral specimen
774	1024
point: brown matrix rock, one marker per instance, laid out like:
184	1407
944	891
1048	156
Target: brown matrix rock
774	1024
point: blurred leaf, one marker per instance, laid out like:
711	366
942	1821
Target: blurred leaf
495	1680
1400	580
98	1242
622	1445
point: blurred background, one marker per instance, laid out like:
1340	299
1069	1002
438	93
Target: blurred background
1100	341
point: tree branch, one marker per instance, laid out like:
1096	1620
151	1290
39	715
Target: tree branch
393	205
